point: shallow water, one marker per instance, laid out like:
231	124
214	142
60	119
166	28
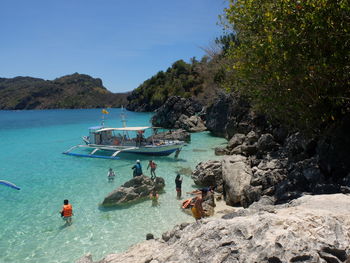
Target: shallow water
31	228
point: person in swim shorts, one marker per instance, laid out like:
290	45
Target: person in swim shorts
153	166
178	184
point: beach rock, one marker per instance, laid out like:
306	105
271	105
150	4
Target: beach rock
221	151
207	173
85	259
236	175
149	236
266	143
178	134
135	189
177	112
309	229
192	124
236	140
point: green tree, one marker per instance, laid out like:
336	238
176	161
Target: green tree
292	60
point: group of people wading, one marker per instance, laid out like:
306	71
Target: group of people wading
195	203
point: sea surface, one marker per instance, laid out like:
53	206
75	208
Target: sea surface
31	228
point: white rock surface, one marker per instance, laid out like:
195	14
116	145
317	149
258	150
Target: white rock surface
236	174
309	229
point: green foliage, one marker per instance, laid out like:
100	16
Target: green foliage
292	60
72	91
181	79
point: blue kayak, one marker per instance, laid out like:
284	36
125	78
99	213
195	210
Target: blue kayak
9	184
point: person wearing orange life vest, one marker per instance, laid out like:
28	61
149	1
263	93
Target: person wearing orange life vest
67	212
153	166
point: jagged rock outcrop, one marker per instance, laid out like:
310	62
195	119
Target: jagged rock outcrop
207	173
285	163
178	134
310	229
285	166
179	113
133	190
231	114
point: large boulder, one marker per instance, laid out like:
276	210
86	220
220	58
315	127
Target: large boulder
310	229
192	124
177	112
207	173
236	175
133	190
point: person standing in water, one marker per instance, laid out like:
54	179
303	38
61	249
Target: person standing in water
137	169
178	184
67	212
153	166
154	197
110	175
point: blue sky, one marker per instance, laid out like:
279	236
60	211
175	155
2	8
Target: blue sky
122	42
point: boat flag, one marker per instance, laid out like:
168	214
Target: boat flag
105	111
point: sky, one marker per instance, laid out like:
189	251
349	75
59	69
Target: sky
123	42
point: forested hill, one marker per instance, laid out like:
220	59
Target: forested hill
198	79
67	92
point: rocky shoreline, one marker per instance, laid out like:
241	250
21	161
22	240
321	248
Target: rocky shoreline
308	229
265	168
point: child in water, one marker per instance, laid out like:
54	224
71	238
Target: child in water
67	212
154	197
111	175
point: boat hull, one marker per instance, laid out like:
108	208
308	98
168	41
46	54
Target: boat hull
148	150
111	152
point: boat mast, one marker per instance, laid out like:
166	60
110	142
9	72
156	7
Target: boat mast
122	116
103	120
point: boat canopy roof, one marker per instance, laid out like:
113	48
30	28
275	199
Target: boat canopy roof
125	129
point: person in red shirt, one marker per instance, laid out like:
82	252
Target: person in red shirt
153	166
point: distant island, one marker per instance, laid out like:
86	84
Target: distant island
68	92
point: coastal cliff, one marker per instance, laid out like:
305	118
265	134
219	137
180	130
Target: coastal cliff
308	229
68	92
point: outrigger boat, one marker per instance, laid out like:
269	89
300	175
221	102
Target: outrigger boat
108	143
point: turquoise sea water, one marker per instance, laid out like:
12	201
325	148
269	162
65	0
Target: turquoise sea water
31	228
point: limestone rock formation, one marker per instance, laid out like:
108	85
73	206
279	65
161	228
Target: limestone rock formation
310	229
236	175
231	114
178	134
207	173
135	189
179	112
192	124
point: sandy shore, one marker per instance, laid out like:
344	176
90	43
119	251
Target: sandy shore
222	209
